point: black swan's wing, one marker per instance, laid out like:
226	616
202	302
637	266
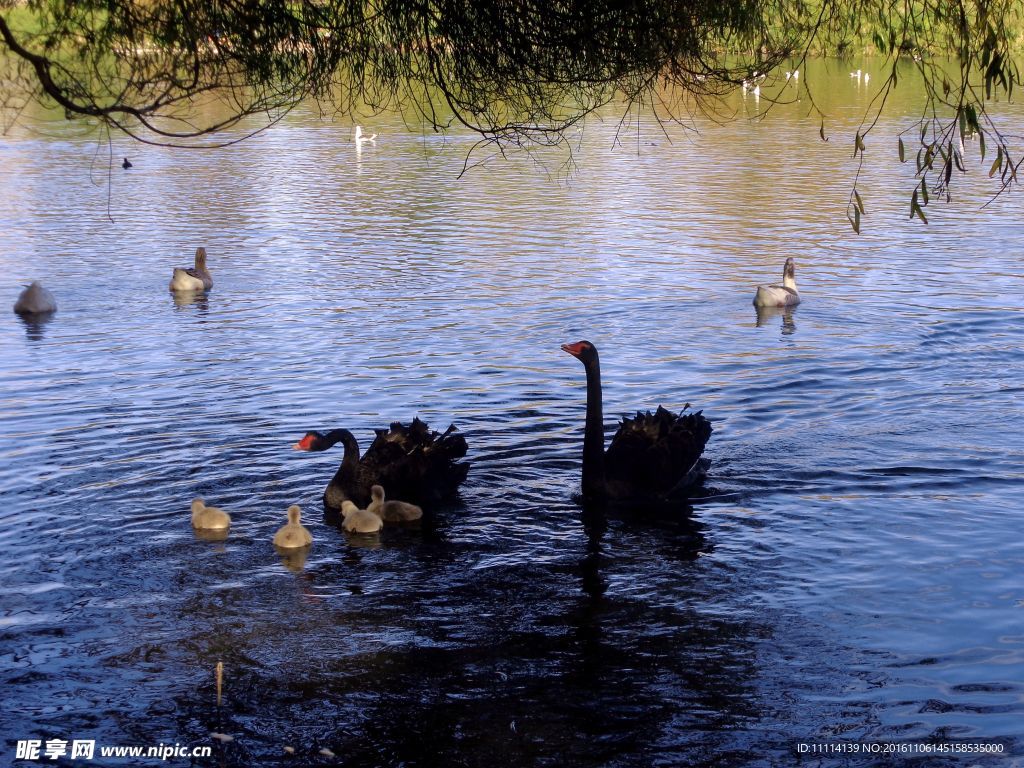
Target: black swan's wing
416	464
655	454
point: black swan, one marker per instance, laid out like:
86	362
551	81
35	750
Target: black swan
652	458
412	462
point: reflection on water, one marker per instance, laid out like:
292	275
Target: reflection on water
767	315
211	534
35	325
294	559
852	571
197	299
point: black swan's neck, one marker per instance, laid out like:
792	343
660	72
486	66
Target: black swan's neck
348	441
593	435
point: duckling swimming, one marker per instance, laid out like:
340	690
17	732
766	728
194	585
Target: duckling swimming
359	520
206	518
392	511
294	534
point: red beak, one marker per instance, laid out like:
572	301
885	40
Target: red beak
573	349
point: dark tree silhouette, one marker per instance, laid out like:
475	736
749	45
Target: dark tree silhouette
518	72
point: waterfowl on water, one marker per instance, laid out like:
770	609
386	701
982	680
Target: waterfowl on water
360	138
392	511
652	458
412	462
126	164
294	534
376	499
207	518
785	295
359	520
196	278
35	300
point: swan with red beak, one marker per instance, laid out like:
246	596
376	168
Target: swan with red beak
653	457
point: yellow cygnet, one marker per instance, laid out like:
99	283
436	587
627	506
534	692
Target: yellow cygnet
294	534
207	518
392	511
359	520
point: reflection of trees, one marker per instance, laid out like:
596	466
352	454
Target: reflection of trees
174	70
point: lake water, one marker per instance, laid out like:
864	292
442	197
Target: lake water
853	574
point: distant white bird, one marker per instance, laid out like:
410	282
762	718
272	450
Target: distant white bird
796	74
788	75
360	138
866	78
757	91
855	74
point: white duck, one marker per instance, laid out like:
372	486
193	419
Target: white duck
392	511
35	300
206	518
784	295
294	534
360	138
197	278
359	520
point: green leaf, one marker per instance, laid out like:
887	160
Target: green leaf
860	203
995	165
924	191
981	143
972	118
913	203
920	215
821	131
856	220
903	158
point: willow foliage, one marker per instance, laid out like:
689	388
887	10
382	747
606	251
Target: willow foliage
516	71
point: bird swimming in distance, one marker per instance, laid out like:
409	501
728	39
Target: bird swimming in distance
35	301
197	278
784	295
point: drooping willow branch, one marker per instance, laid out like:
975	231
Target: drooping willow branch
519	73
